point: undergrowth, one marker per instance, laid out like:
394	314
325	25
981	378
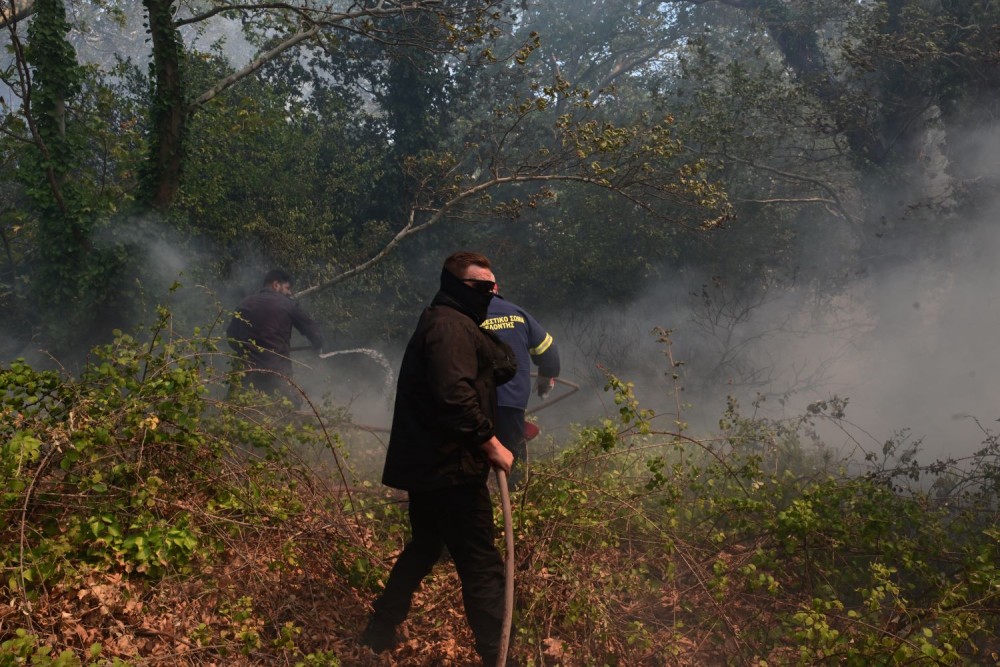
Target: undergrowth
150	516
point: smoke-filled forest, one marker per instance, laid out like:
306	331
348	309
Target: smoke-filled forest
762	233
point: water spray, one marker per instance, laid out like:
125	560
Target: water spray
374	354
390	379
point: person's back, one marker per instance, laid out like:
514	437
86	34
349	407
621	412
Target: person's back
261	331
442	415
531	343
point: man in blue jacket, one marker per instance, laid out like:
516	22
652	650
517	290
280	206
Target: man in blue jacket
442	446
531	343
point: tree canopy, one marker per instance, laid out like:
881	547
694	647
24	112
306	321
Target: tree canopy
592	147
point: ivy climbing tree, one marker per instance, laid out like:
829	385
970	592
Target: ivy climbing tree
69	273
161	174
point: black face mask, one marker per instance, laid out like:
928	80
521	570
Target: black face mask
472	301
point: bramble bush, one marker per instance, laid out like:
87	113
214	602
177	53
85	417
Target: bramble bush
136	490
150	514
755	546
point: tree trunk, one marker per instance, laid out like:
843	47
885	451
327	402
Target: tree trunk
799	44
169	113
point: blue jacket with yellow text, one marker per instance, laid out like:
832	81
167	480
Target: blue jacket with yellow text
514	326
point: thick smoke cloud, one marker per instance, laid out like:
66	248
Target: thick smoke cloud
909	339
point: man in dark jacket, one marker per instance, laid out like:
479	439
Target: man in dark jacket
261	332
441	449
531	343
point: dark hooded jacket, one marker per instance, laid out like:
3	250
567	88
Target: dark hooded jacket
446	393
261	330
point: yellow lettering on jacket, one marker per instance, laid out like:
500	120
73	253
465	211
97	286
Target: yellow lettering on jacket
502	322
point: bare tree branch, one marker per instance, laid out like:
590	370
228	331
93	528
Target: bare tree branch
833	200
222	9
12	11
318	18
254	65
412	227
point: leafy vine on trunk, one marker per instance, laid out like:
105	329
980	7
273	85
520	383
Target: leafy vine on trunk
64	230
167	110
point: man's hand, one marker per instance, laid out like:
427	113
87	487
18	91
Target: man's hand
498	455
544	385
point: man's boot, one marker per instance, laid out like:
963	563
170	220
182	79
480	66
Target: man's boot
490	660
379	635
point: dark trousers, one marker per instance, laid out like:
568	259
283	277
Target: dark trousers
461	518
510	432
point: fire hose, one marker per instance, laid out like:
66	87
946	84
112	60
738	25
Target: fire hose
508	591
508	532
573	388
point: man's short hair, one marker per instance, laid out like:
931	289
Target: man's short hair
458	262
277	275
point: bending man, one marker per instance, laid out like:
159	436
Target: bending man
261	333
